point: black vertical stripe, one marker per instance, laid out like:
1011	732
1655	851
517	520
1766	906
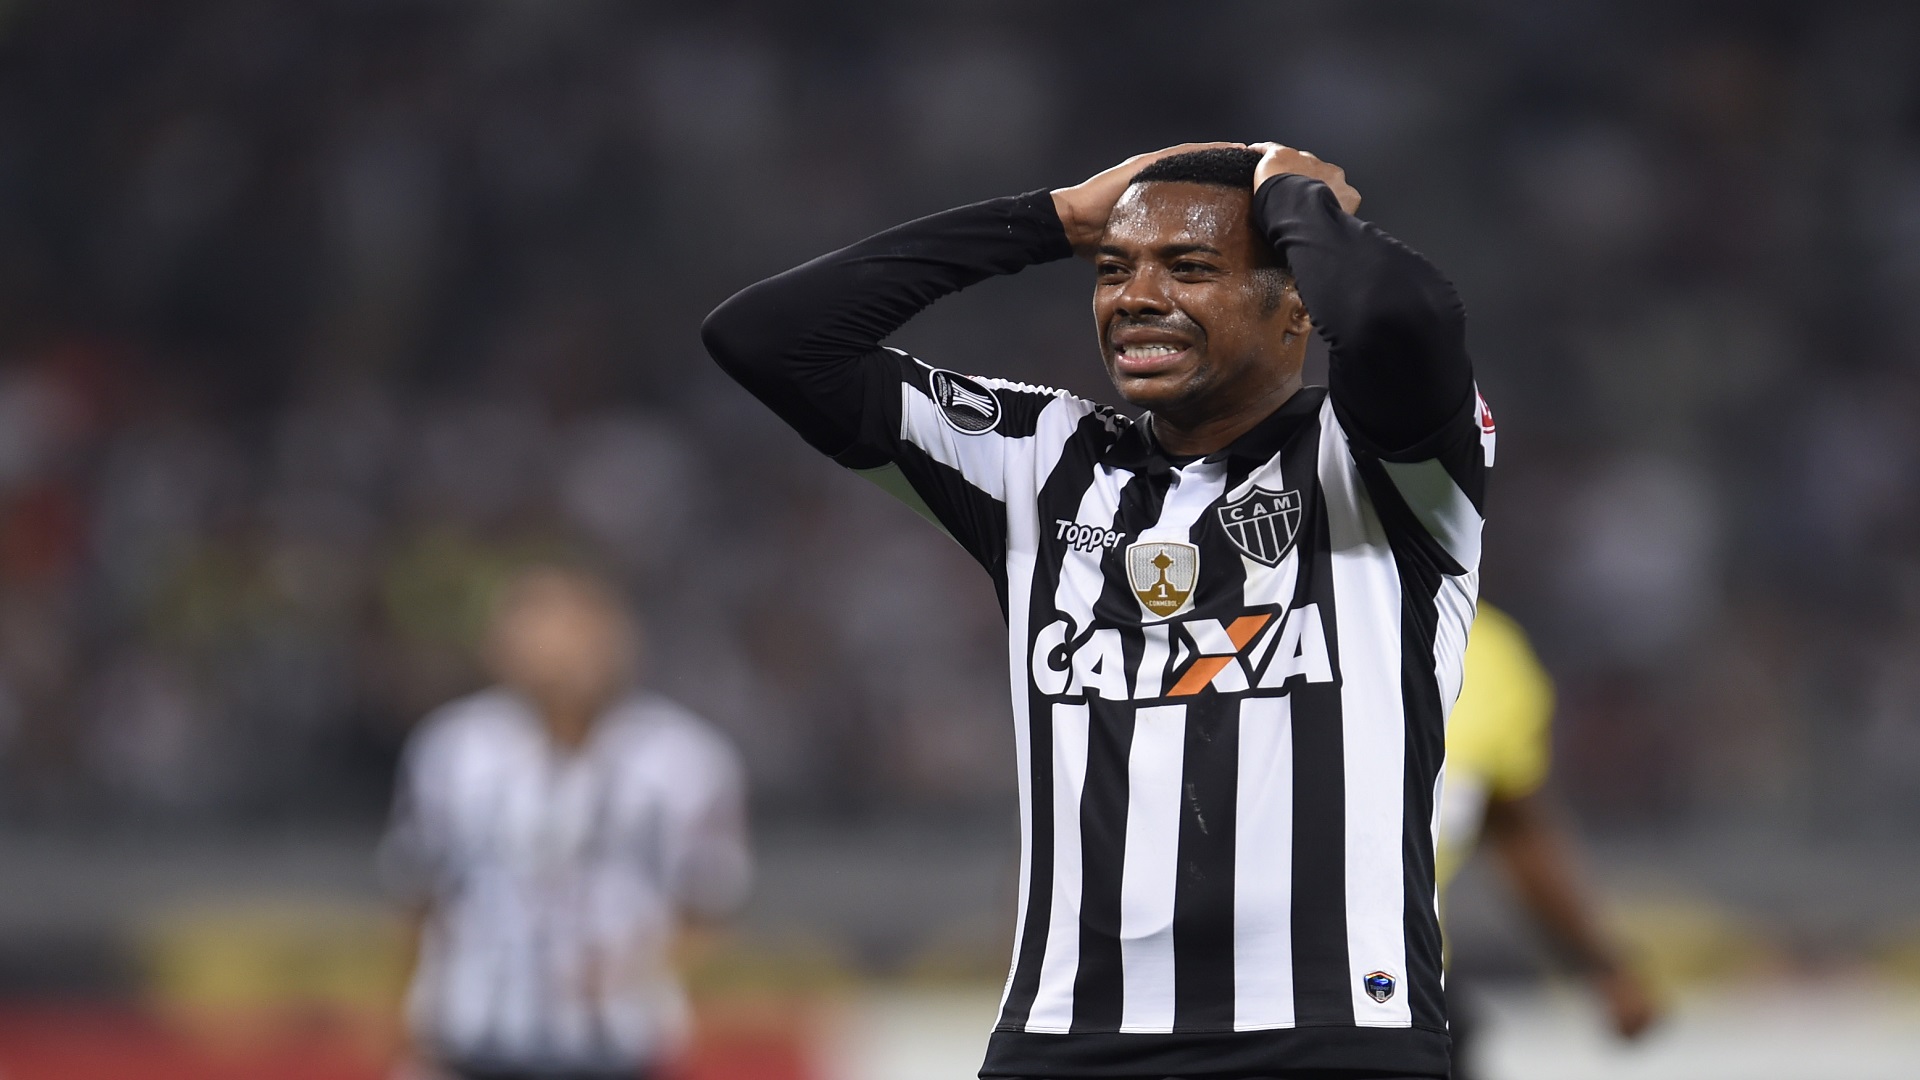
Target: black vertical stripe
975	519
1059	497
1320	967
1025	982
1098	990
1203	916
1203	893
1426	738
1140	503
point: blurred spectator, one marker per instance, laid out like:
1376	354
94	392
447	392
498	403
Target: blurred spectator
556	830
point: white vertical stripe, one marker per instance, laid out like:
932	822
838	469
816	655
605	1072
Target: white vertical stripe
1153	662
1441	507
1150	870
1454	607
1263	867
1020	563
1268	584
1366	587
1056	424
1081	579
1053	1004
1023	764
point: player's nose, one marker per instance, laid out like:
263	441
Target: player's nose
1145	293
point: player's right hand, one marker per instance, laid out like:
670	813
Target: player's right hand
1085	207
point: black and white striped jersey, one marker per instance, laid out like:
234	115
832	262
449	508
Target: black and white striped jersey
1230	674
554	879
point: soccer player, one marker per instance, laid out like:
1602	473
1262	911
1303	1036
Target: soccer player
1498	743
1234	622
555	831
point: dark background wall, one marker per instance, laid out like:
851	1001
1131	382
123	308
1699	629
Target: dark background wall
317	318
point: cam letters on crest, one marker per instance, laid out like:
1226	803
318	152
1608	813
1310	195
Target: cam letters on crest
1262	524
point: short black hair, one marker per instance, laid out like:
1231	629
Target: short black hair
1222	166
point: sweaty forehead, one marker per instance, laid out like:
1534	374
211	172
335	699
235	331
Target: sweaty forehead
1157	214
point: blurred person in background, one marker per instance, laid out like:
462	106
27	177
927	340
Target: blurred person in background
1499	740
557	830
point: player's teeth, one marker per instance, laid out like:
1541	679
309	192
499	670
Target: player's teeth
1150	350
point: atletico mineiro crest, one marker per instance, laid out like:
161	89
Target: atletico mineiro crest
1163	573
1262	524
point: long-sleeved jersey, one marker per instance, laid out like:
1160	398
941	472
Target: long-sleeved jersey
1230	674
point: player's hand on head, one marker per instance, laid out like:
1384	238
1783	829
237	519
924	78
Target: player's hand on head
1277	160
1085	207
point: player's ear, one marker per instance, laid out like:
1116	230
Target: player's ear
1299	320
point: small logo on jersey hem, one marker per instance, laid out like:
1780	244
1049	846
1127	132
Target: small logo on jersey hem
1379	986
1262	524
1163	574
967	405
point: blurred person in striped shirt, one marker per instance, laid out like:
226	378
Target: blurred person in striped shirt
555	832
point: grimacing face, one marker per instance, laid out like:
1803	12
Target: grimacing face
1192	312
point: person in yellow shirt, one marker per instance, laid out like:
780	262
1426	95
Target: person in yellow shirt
1498	751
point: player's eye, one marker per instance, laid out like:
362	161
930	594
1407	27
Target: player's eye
1191	267
1108	270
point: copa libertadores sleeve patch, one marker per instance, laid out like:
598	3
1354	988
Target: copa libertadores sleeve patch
967	405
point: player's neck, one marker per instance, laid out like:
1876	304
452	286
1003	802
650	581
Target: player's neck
1209	430
569	724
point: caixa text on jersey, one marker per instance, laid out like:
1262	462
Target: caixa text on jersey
1259	650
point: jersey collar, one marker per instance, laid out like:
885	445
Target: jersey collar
1136	449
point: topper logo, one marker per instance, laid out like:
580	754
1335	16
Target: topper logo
1081	537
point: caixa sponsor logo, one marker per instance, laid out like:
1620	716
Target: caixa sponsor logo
1260	650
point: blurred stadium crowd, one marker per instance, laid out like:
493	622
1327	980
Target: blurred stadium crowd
316	319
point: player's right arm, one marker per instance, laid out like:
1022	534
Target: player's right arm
1398	373
807	342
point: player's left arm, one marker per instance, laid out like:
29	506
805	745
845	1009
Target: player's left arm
1537	854
1398	370
1395	328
